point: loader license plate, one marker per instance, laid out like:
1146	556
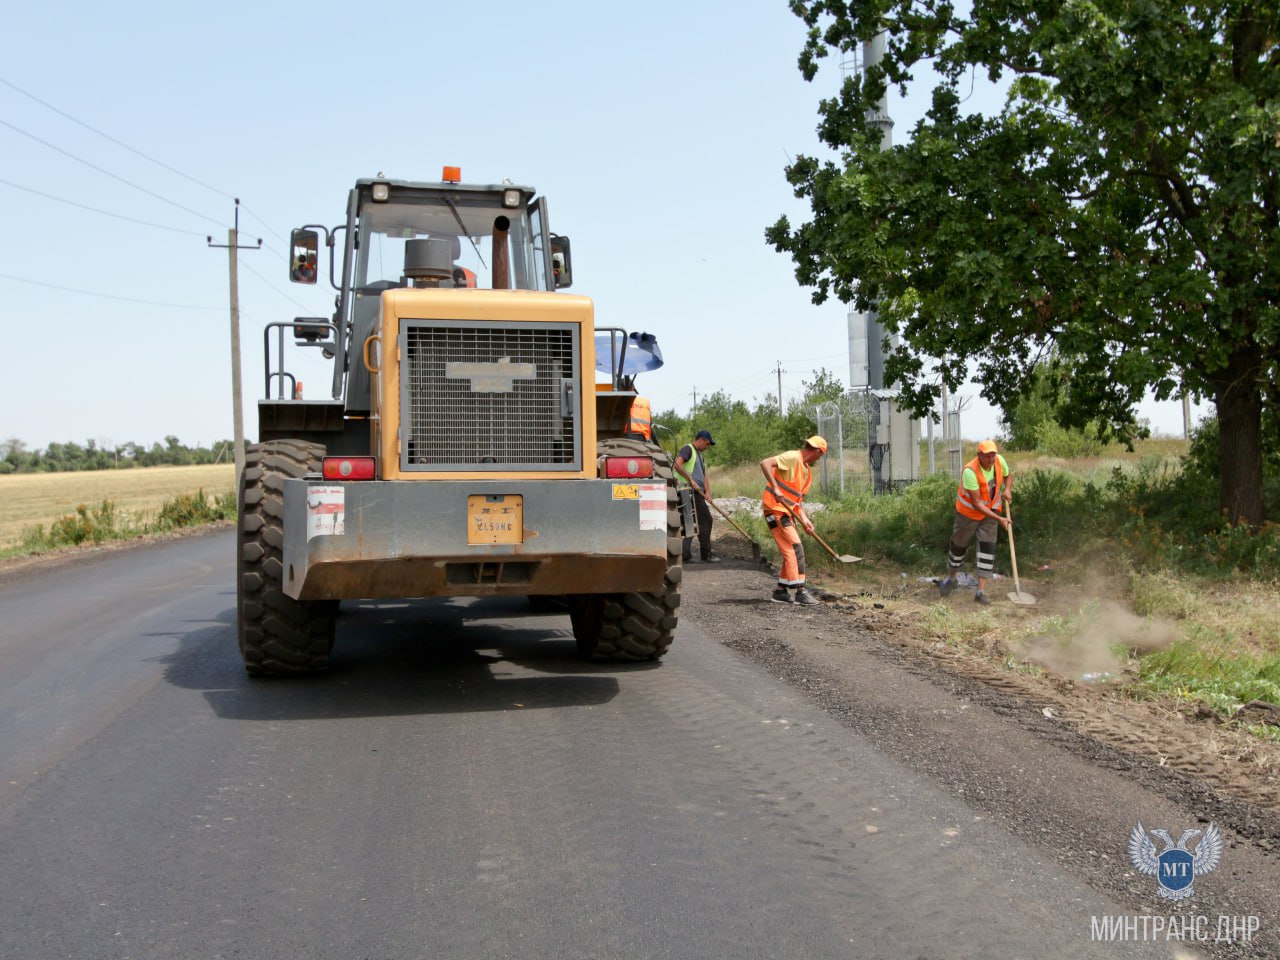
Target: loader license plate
495	518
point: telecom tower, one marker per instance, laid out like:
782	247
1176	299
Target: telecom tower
893	447
866	335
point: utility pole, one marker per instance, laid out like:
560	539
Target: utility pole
780	372
232	247
695	402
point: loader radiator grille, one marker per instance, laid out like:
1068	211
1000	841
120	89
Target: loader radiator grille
484	395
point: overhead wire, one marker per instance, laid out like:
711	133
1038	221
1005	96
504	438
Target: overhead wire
106	296
108	173
272	286
105	213
107	136
148	158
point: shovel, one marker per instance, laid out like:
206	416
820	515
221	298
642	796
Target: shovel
1025	599
755	547
842	557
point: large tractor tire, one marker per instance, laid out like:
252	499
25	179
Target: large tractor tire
277	634
633	626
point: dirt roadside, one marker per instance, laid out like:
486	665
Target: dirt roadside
1069	766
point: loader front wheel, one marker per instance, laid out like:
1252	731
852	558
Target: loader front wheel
277	634
634	626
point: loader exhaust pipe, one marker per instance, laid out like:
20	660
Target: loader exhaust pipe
501	255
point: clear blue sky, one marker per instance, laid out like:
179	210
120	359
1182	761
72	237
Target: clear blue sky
658	131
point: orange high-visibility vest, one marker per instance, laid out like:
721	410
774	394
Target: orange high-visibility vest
789	495
985	491
641	419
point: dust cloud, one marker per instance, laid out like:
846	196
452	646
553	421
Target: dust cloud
1099	643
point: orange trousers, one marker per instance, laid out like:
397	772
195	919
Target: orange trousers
791	547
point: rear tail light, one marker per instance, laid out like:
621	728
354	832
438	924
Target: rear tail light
349	468
628	468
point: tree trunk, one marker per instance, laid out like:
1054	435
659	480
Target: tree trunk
1239	401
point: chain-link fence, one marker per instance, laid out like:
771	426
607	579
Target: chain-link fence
871	445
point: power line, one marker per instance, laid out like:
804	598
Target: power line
105	213
270	228
104	296
286	296
107	136
136	151
105	172
108	213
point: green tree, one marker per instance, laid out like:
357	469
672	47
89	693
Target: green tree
1032	419
1123	207
825	387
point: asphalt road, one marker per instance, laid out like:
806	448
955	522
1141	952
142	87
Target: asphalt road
458	786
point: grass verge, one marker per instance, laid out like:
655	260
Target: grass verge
1149	591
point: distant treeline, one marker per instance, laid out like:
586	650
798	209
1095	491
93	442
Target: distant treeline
66	457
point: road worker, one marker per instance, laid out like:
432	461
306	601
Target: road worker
787	479
985	487
640	421
690	465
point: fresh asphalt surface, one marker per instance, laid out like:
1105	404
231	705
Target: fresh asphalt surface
459	786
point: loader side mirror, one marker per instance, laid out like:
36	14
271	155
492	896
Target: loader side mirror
561	262
302	259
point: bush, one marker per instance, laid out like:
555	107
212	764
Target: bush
86	525
188	510
1054	440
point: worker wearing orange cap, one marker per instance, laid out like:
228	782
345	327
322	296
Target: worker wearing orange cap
985	487
787	479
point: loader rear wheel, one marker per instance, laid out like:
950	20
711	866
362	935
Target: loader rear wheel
633	626
277	634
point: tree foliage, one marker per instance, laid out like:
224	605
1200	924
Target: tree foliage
745	433
71	456
1121	210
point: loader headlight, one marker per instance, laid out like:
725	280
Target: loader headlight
511	198
381	192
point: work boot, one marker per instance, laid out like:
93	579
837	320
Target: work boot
946	585
782	595
711	558
805	597
691	560
982	598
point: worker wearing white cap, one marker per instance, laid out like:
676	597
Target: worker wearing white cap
985	487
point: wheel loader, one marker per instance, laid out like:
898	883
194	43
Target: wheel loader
473	441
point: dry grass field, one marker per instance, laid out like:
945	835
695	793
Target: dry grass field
28	499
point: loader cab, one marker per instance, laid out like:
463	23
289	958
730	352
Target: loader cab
447	234
399	233
451	234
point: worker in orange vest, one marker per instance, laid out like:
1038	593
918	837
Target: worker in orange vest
985	487
787	479
640	424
